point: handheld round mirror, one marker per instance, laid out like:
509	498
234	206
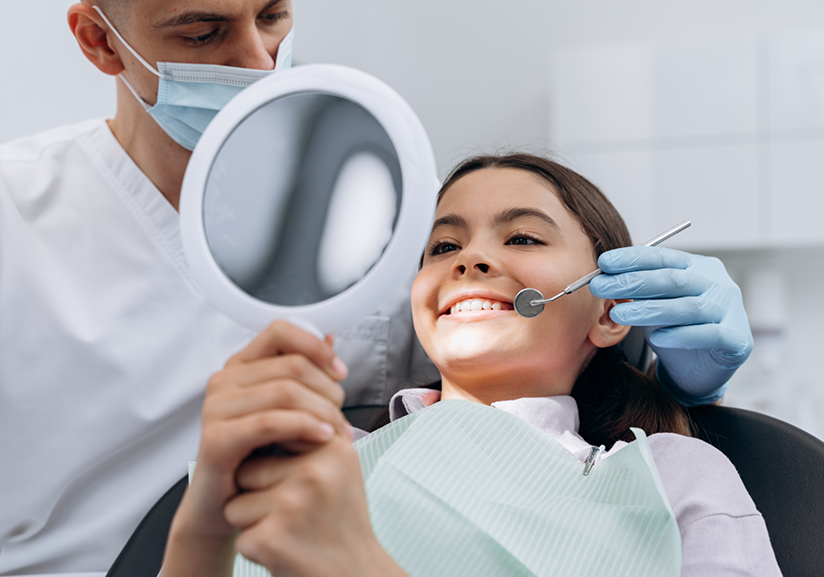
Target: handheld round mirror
309	197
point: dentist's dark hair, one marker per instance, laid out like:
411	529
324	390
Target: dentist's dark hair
116	11
612	396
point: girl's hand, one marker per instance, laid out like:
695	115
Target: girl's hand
281	389
307	515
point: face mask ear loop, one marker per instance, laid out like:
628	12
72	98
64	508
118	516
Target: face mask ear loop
140	59
285	49
146	105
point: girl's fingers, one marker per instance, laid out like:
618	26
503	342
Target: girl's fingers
281	338
258	474
230	443
283	394
290	365
246	509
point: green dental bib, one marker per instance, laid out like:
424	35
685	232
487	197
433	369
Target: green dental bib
461	489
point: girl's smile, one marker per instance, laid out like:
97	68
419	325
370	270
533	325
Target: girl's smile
498	231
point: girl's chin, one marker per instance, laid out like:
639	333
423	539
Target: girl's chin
474	359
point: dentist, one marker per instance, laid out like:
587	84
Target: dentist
106	342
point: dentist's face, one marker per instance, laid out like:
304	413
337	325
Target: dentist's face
498	231
239	33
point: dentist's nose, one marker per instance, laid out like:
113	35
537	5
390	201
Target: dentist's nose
255	50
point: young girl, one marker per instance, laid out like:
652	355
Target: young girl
502	471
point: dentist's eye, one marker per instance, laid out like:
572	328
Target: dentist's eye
277	17
523	239
200	40
442	247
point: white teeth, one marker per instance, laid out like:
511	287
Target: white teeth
475	305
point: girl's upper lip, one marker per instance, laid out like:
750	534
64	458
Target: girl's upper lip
476	294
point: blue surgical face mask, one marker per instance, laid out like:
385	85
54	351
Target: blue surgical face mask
189	96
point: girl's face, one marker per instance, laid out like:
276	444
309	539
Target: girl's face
498	231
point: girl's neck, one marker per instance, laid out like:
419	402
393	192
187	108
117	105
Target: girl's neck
491	391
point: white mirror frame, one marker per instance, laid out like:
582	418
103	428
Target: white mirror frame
420	186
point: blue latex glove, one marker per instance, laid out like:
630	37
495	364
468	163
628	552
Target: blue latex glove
693	313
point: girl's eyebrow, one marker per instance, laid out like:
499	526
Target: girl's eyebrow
450	220
504	217
511	214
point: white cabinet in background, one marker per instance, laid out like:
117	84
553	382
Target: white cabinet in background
647	92
796	80
796	200
628	179
716	188
728	133
600	94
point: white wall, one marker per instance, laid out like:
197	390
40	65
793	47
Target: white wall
477	71
46	81
479	75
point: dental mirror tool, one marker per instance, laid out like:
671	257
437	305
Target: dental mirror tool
529	303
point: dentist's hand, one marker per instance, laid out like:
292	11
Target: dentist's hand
693	313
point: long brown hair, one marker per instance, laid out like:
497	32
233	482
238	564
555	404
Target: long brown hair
612	396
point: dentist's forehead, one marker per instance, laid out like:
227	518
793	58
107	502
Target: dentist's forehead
167	13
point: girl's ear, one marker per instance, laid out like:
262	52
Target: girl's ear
606	332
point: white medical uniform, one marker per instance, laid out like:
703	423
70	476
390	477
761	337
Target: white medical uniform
106	345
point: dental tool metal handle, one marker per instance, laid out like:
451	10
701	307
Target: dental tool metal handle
580	283
529	303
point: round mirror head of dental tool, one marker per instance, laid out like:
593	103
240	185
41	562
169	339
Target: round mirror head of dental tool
523	303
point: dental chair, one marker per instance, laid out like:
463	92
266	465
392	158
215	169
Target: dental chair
781	466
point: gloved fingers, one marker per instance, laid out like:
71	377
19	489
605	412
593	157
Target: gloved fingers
635	258
730	346
650	284
667	312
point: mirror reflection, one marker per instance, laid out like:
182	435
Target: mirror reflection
302	199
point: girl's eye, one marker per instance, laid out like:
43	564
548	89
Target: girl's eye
523	239
200	40
442	248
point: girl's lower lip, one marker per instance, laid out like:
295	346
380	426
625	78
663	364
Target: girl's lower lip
474	314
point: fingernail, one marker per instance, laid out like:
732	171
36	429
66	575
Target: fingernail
340	368
351	432
326	431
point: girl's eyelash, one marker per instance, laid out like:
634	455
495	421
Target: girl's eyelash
435	247
525	235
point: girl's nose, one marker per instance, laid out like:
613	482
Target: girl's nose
481	266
